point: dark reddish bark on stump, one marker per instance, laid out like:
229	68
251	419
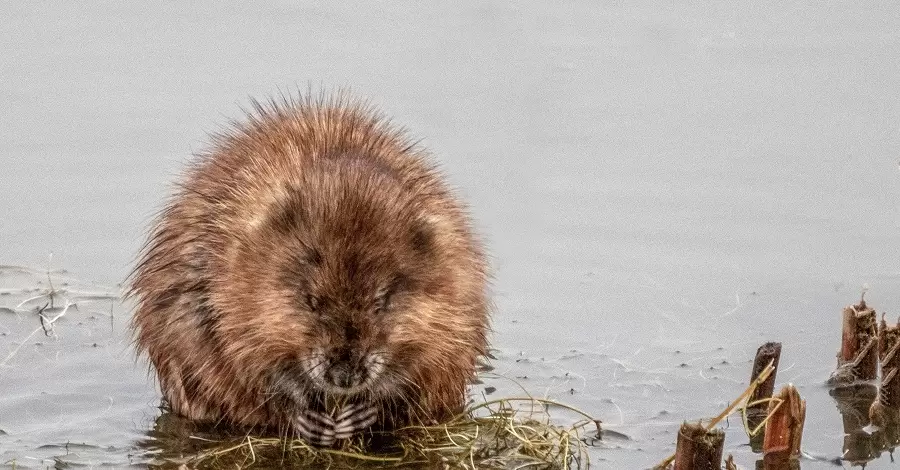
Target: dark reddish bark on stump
766	354
699	449
769	352
858	358
784	429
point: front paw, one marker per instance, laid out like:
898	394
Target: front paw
354	419
323	430
316	428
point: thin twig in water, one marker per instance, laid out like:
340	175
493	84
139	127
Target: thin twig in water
16	350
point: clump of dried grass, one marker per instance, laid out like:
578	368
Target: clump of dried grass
498	434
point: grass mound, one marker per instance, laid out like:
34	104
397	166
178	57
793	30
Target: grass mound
498	434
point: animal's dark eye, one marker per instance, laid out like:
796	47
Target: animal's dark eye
383	301
312	302
385	295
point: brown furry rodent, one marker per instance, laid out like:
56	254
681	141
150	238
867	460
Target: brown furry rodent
312	275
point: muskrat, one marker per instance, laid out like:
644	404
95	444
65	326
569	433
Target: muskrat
312	274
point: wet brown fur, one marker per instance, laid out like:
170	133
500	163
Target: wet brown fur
223	284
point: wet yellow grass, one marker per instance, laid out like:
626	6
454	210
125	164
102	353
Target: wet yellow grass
498	434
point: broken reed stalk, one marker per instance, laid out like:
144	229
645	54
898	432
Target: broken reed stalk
858	359
784	428
768	353
728	410
885	411
729	463
699	448
758	403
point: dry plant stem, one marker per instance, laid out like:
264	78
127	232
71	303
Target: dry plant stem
784	429
21	343
859	335
729	463
729	409
46	326
698	448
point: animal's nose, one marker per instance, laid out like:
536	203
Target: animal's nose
341	375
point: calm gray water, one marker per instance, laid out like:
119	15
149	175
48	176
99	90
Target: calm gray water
662	188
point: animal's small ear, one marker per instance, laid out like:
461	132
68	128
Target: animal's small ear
422	237
313	257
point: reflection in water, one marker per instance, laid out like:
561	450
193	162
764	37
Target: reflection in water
860	445
792	464
176	440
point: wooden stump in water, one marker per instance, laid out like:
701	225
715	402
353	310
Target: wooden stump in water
784	430
699	449
758	410
858	358
886	410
